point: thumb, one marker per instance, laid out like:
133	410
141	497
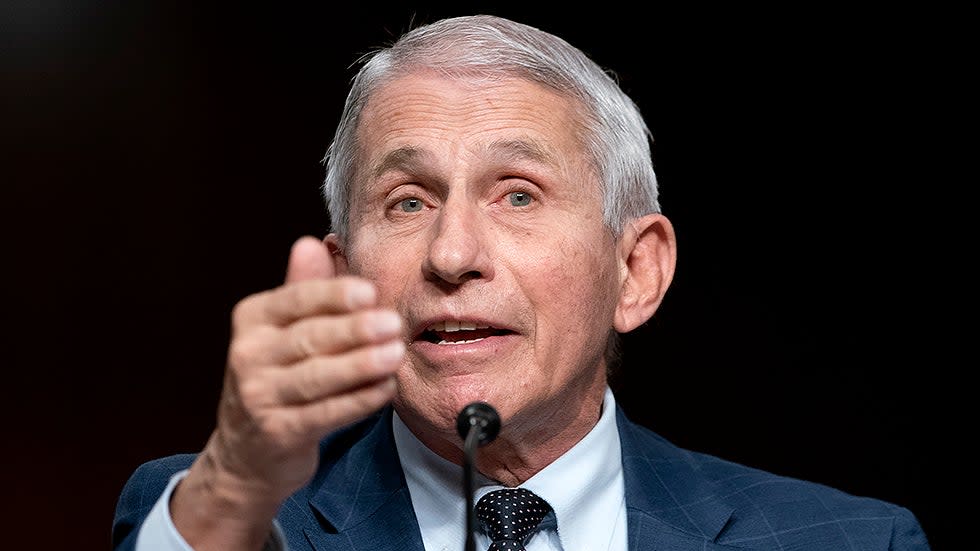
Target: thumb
309	259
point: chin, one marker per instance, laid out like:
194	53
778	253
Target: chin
438	406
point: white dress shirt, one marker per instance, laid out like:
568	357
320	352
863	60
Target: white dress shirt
584	487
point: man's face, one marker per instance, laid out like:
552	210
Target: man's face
479	217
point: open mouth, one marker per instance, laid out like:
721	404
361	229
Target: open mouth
459	332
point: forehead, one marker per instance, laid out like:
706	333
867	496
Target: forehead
460	116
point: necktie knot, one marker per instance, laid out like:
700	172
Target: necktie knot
510	515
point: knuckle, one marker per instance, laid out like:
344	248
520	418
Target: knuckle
323	335
244	311
252	392
250	349
323	332
308	383
240	354
304	341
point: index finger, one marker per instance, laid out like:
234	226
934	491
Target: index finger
313	297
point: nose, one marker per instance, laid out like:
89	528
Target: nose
458	250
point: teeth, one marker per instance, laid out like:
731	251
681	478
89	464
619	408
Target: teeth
450	326
459	342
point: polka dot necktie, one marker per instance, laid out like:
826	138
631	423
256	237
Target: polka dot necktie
509	516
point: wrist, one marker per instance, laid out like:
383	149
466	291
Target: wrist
215	509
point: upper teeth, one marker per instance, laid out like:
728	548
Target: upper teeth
451	325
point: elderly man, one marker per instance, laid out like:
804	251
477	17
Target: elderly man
495	226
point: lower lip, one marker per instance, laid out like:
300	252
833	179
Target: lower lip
478	351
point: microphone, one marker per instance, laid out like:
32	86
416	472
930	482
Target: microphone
478	424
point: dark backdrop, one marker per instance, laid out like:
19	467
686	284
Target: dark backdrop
163	156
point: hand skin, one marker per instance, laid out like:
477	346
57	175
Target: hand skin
305	359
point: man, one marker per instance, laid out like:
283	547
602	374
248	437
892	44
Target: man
495	226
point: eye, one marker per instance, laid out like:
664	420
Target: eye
519	198
412	204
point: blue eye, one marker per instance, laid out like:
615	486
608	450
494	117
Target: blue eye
519	198
412	204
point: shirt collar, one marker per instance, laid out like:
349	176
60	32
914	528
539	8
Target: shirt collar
586	512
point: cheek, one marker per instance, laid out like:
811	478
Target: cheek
387	268
580	283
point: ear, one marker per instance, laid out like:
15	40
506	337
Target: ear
647	256
336	250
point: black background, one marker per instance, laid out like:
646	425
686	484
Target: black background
163	156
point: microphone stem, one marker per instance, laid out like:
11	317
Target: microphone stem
469	450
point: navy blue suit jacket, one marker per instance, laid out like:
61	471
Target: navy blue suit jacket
676	500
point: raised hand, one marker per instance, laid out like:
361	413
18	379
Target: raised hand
305	358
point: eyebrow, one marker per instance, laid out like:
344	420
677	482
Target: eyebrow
412	159
521	149
406	159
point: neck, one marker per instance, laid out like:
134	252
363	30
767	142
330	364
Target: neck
527	443
517	455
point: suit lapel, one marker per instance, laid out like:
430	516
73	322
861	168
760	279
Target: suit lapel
670	505
363	501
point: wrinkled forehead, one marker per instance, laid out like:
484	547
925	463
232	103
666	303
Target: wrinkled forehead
407	117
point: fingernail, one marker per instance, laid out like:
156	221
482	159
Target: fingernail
386	324
391	352
361	294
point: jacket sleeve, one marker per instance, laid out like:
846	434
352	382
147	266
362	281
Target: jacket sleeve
907	533
138	496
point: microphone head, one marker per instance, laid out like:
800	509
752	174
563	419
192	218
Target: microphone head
479	416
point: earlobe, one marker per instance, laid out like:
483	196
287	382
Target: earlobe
648	251
337	254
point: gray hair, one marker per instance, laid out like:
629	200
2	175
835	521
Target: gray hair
615	135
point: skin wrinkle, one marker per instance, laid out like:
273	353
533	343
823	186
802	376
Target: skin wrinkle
549	270
411	159
512	158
